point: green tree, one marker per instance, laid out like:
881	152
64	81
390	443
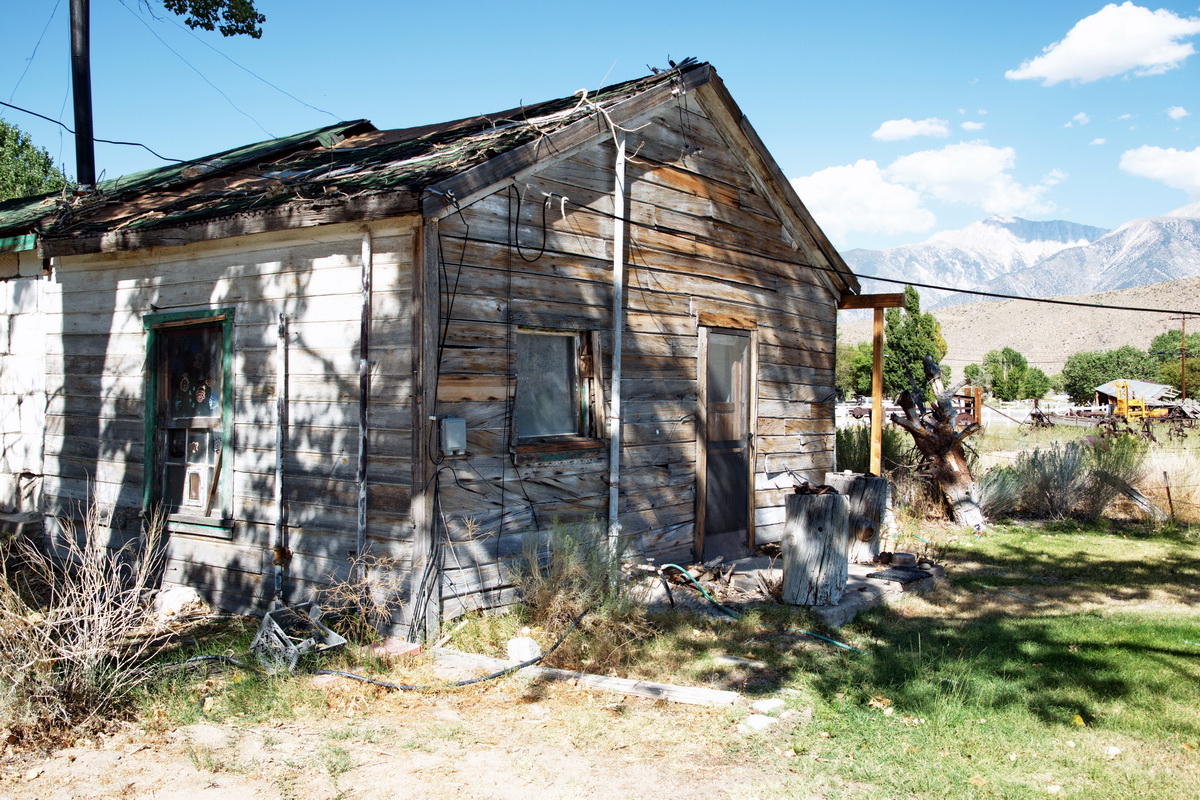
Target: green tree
974	373
853	373
1169	374
1164	348
1035	385
910	335
1083	372
25	168
1006	371
230	17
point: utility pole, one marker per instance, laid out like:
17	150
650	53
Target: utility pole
1183	357
81	85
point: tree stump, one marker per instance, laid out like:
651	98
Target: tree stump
867	498
814	549
941	444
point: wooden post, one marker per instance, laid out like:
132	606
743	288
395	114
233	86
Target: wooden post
877	394
814	549
878	302
867	499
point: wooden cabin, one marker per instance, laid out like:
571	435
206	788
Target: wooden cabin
427	344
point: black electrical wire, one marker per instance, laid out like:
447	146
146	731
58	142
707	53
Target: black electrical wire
669	231
94	138
406	687
193	67
498	674
33	55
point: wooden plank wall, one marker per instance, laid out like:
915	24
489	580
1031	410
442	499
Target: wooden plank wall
727	254
96	374
22	389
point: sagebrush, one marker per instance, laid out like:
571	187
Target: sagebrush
75	630
572	569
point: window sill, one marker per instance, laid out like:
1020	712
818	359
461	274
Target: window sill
559	448
215	527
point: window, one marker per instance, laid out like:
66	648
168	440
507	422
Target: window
548	399
189	415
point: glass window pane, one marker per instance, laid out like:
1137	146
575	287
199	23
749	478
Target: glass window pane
193	368
547	401
198	446
173	498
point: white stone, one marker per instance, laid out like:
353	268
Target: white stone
757	722
768	706
176	600
522	648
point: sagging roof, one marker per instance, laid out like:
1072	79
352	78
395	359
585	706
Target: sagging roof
1144	390
350	171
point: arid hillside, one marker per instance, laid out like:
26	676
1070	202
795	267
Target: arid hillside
1047	334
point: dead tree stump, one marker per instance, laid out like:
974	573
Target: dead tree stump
940	442
814	549
867	498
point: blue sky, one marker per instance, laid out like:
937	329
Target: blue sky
895	120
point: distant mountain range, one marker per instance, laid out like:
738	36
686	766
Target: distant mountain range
1010	255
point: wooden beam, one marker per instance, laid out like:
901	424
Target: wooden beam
291	215
425	588
778	191
695	695
444	198
877	394
855	301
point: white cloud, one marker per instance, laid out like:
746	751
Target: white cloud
1179	169
857	197
973	173
1125	116
972	126
1081	118
1099	140
1177	113
895	130
1114	41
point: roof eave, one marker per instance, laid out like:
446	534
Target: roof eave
364	208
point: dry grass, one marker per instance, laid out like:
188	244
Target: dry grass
75	627
366	600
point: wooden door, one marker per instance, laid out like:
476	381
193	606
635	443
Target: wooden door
727	443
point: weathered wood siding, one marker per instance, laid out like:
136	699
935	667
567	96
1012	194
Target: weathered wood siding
22	389
702	241
96	374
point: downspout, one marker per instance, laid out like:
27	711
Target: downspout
364	394
280	546
614	417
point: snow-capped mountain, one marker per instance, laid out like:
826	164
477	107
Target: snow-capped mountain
971	257
1138	253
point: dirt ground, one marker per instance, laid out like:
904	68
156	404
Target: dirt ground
509	739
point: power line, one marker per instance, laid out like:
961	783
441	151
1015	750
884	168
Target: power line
725	245
33	55
195	69
106	141
246	69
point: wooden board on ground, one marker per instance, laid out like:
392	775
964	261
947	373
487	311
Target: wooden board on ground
693	695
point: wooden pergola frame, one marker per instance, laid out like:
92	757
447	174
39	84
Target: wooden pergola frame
878	302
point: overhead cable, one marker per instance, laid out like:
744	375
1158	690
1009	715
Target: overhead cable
95	138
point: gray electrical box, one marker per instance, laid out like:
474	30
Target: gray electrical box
454	436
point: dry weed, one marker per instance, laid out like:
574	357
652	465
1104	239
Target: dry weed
75	626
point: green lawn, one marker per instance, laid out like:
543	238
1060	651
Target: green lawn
1089	688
